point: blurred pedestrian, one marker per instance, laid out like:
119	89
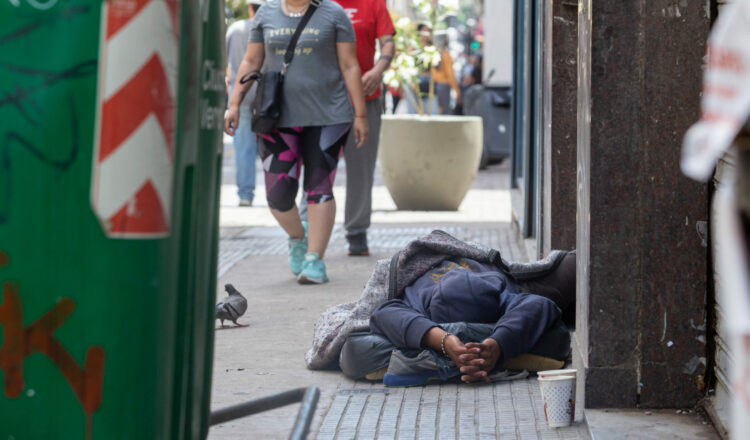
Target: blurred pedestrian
245	144
372	24
471	73
445	80
477	71
316	117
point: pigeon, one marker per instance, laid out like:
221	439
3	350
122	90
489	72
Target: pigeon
231	307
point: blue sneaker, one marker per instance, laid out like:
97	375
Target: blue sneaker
404	371
297	251
313	270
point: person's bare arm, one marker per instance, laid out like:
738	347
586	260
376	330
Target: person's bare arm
372	79
253	60
349	66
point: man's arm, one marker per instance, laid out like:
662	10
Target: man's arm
372	79
525	319
401	324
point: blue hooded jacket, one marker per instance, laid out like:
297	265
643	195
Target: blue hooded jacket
464	290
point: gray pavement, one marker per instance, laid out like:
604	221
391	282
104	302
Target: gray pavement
267	356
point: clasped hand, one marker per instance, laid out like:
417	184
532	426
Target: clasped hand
475	360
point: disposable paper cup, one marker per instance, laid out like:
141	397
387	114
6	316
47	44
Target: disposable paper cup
558	393
551	373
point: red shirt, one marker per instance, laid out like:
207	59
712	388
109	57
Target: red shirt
371	21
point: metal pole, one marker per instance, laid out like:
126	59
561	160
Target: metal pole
308	396
305	414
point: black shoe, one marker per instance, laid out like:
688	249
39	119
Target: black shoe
358	244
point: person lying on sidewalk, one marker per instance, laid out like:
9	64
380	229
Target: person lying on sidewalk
464	290
343	336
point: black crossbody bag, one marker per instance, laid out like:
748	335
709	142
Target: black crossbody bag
265	110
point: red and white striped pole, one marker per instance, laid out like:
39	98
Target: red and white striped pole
133	163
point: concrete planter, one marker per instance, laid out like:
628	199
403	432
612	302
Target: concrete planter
429	162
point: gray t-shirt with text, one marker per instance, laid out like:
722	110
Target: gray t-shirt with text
314	89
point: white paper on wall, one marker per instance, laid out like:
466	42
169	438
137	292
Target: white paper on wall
725	103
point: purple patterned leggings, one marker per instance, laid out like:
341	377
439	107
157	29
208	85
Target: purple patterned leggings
284	152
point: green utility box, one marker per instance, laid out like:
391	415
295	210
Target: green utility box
111	114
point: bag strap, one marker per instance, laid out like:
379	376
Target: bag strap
255	74
314	4
252	75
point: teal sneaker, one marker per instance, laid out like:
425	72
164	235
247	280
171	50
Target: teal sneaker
313	270
297	251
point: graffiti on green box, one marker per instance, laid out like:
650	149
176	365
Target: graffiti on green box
20	342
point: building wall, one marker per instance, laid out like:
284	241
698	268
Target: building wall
498	42
558	229
641	265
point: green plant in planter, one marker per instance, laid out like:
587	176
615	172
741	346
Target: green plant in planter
238	9
413	56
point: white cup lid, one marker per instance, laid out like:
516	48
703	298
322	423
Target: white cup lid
569	371
561	377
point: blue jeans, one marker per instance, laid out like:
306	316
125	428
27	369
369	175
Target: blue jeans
245	152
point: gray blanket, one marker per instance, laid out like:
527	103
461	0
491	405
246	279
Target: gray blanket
391	276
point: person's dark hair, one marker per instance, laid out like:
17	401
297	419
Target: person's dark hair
255	7
421	26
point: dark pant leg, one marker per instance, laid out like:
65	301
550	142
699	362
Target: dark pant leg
360	173
279	152
321	148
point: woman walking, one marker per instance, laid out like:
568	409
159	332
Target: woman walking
321	85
